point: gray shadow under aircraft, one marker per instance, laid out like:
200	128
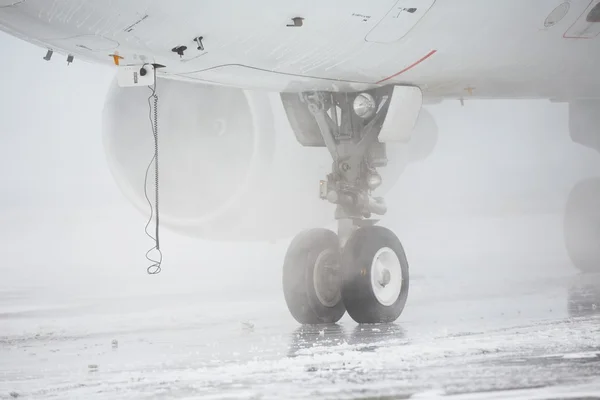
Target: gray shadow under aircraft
310	336
367	337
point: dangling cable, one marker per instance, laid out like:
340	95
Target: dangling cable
155	268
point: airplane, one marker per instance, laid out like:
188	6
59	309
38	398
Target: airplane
354	77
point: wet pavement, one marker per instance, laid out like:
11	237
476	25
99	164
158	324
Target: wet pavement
540	339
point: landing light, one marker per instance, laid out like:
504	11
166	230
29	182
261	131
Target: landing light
374	181
364	105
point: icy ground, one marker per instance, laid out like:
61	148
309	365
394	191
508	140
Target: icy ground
540	342
484	323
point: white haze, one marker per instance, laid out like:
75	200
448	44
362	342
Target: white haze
490	196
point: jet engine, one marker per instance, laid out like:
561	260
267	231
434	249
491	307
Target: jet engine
584	120
230	167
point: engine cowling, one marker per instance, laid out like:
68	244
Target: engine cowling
584	120
230	166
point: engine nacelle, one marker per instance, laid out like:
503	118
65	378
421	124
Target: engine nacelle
230	166
217	154
584	122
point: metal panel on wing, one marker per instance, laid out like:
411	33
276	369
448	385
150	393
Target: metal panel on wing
399	21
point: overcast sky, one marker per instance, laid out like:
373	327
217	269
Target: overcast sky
63	220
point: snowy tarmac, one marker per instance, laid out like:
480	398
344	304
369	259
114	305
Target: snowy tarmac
538	340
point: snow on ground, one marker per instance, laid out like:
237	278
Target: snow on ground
539	343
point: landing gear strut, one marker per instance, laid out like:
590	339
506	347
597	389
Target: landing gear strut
362	269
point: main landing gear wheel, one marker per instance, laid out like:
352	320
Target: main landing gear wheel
370	277
582	225
312	278
376	279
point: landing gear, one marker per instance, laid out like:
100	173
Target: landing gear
370	278
582	225
362	269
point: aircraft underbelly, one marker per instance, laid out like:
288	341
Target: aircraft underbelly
448	48
354	52
343	41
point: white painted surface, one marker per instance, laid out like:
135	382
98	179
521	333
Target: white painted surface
504	51
402	115
403	17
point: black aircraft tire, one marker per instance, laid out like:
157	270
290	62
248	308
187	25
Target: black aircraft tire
312	278
370	296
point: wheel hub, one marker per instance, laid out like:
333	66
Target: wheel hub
386	276
327	279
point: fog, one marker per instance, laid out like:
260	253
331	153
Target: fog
490	196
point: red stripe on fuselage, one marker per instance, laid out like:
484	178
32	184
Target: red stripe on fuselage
432	52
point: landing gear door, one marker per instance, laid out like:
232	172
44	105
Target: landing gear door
402	114
399	21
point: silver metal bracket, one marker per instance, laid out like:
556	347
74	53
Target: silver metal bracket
355	150
355	128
